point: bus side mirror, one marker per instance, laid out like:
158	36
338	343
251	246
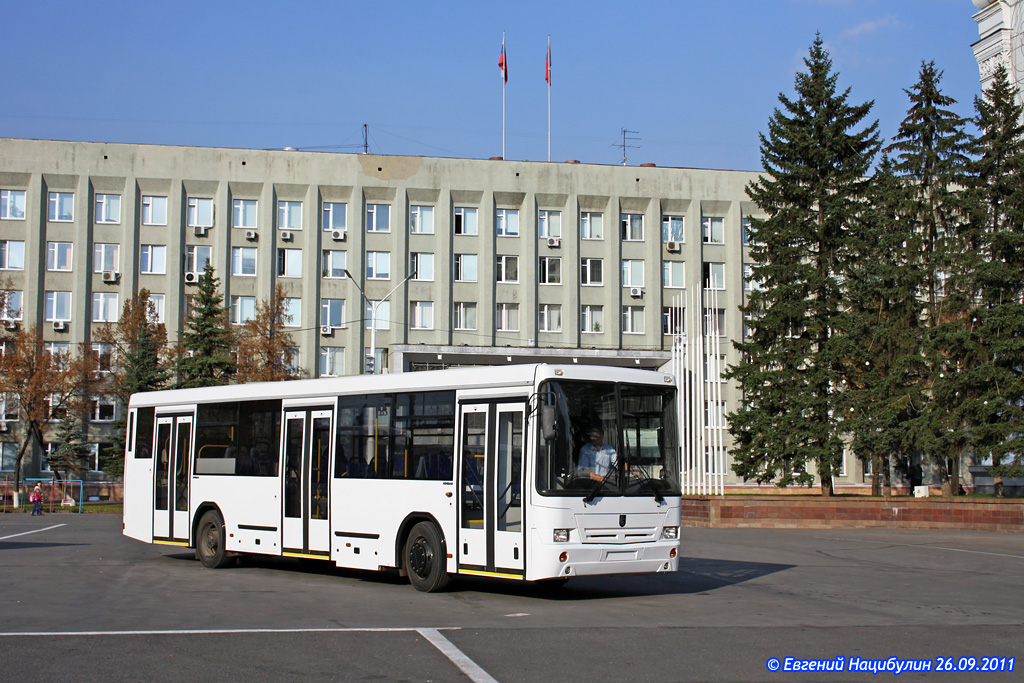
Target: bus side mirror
548	423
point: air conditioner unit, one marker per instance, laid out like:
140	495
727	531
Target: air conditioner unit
60	325
636	292
287	236
10	324
326	330
191	277
554	242
338	235
252	235
201	230
674	247
111	276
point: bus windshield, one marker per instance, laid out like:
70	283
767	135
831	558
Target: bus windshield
607	439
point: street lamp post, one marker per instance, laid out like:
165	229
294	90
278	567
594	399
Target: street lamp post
372	356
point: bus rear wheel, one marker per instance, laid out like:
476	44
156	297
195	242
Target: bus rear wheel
425	559
210	541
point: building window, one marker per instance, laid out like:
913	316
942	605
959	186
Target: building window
506	222
421	315
243	309
104	307
243	261
632	227
673	274
712	230
421	220
335	216
153	259
632	319
381	319
157	302
200	212
378	265
333	264
12	304
332	312
154	210
105	257
550	317
61	207
550	270
196	258
54	349
12	205
591	318
464	315
465	267
57	307
673	320
289	215
549	223
507	318
292	314
12	255
591	271
108	208
422	265
243	213
10	408
465	221
714	275
378	218
8	456
289	263
591	225
102	409
672	229
749	283
714	322
332	361
59	256
745	231
632	273
507	269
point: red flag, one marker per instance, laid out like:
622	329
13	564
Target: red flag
502	64
547	67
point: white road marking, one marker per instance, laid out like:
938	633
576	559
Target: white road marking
459	659
34	531
932	547
216	631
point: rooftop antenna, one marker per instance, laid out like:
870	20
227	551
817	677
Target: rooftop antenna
626	139
366	141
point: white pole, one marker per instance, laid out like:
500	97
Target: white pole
504	81
547	69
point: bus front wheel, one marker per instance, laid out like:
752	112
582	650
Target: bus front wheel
425	559
210	541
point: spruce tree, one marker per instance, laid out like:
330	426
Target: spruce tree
998	185
816	156
204	358
930	150
70	456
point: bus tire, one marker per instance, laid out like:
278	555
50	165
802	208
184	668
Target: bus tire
210	545
425	559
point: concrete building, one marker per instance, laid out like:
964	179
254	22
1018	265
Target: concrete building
1000	40
509	261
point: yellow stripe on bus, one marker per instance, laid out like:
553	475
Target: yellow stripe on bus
477	572
181	543
315	557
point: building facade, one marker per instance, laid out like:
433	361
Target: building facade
453	261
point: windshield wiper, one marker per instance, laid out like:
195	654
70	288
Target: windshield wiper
646	480
589	498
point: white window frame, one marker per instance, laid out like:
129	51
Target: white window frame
153	259
243	309
98	405
673	228
241	257
460	263
383	317
549	223
712	229
549	318
633	320
55	303
289	263
292	314
332	361
60	256
58	210
465	221
378	265
12	205
421	220
378	218
106	256
632	272
587	272
503	264
421	315
632	227
506	222
335	216
192	252
13	305
329	268
673	274
200	213
464	316
159	302
332	312
154	210
12	255
673	321
108	208
422	264
548	275
592	319
591	225
506	317
714	278
245	213
289	214
105	307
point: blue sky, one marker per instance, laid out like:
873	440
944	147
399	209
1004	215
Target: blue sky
696	80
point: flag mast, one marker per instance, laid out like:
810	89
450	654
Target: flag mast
547	77
503	65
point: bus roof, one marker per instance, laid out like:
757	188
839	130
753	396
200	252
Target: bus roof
459	378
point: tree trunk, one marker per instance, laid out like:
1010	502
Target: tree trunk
826	487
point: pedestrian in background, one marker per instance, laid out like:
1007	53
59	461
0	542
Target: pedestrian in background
37	501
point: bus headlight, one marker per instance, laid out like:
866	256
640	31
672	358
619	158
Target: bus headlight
670	532
560	536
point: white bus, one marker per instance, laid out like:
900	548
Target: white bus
472	471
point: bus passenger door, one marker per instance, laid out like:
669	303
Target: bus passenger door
491	524
172	473
307	456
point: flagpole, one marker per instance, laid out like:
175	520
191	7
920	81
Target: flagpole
548	75
504	82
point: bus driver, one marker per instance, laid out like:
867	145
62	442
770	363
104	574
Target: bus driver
597	459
